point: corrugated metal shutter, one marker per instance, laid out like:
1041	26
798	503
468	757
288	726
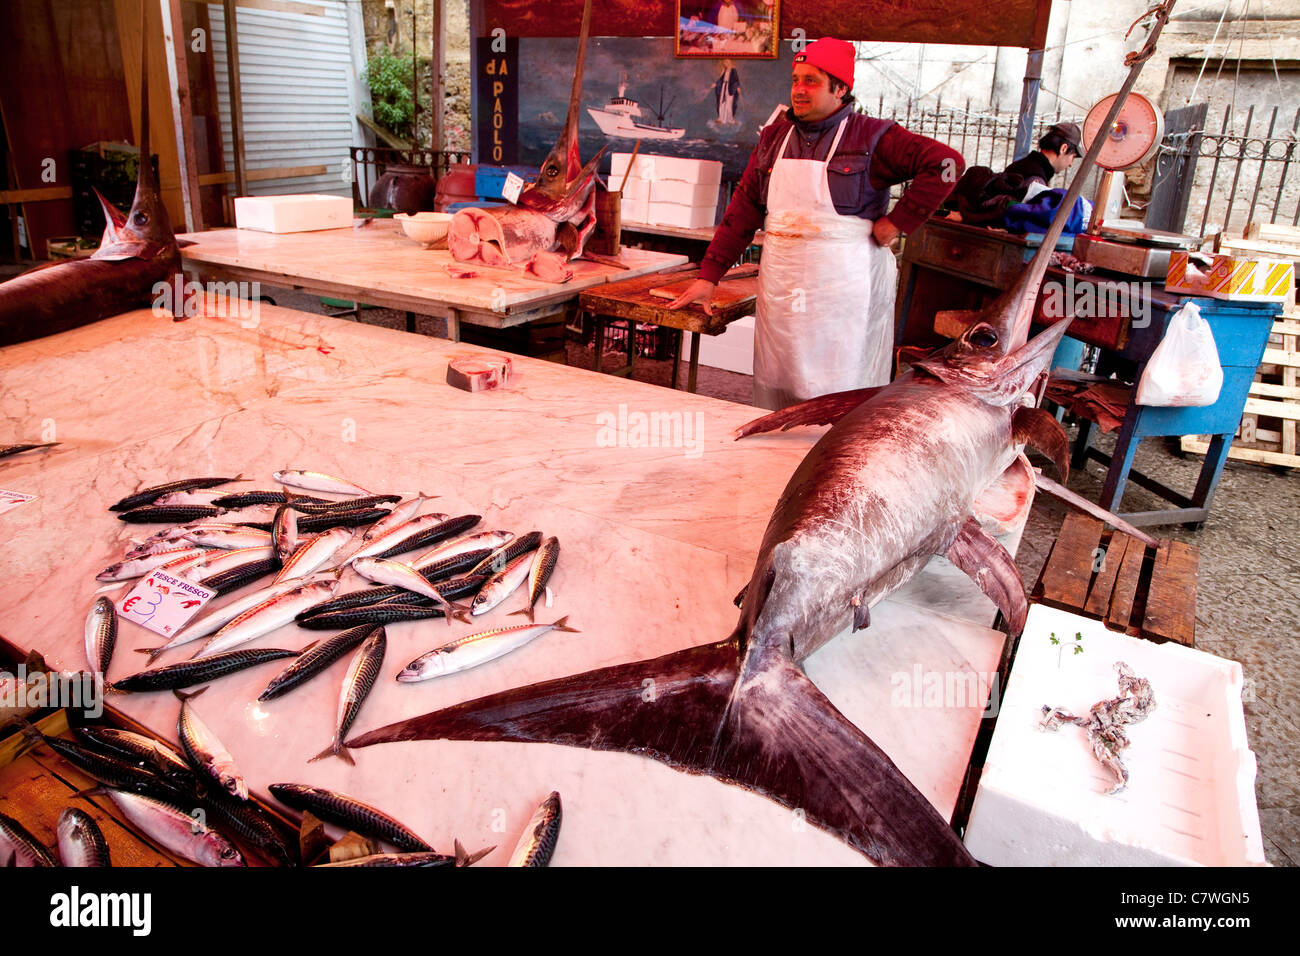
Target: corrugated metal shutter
299	90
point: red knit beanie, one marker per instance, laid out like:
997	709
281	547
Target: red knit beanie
834	56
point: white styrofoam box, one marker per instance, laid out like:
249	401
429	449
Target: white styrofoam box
296	213
685	194
1043	797
733	350
618	167
636	209
675	214
637	190
654	168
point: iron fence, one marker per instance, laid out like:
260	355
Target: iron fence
1209	174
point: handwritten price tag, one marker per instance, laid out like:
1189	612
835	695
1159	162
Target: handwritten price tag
12	499
164	603
513	187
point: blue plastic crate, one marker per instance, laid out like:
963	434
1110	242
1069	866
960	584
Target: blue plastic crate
474	204
489	181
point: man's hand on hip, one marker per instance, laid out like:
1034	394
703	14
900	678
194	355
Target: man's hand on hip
884	232
700	289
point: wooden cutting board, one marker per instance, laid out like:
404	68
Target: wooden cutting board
723	295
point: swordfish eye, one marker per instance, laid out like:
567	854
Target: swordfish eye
983	336
141	218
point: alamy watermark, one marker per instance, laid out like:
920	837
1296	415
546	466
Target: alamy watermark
1092	299
182	299
976	690
82	691
634	429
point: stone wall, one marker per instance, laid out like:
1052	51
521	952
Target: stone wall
388	23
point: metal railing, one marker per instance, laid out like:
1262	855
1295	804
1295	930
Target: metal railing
370	162
1230	171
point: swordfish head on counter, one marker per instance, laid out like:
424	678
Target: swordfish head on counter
555	214
906	472
138	252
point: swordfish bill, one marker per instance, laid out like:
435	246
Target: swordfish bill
897	479
138	251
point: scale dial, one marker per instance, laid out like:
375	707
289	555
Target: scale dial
1135	135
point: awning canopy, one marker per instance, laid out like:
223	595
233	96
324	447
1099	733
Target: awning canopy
1012	23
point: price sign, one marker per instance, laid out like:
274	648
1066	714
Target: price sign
513	187
164	603
12	499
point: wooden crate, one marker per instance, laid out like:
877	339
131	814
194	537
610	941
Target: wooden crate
36	786
1111	577
1267	434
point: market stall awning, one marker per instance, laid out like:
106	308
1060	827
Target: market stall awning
1017	23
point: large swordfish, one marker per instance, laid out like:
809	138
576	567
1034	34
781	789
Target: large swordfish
137	252
903	474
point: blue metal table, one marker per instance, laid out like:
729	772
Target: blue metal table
1241	332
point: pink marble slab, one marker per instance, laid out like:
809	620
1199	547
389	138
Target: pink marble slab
655	543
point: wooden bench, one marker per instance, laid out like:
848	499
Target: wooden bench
1111	577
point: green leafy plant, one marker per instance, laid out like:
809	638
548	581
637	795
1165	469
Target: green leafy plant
1060	645
391	83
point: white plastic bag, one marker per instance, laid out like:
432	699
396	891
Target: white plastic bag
1184	369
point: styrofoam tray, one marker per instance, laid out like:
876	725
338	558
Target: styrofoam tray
1043	798
304	212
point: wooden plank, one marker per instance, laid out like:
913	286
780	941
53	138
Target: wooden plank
1104	584
43	194
1273	232
1286	327
1237	453
1125	593
382	133
1068	572
280	6
182	101
1171	600
1266	389
1289	410
262	175
236	98
1279	357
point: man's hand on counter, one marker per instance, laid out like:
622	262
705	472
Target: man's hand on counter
697	290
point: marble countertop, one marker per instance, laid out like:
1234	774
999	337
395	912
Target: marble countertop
657	538
380	265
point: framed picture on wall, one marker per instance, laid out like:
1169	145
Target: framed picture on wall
727	28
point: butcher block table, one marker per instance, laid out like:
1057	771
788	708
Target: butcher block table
659	528
632	300
378	264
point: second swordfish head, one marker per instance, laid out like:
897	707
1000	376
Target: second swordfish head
145	231
562	186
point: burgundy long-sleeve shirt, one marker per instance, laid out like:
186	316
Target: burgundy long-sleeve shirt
897	157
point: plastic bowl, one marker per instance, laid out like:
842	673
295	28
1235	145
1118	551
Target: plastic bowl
425	228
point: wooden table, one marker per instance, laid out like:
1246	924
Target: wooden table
631	301
377	264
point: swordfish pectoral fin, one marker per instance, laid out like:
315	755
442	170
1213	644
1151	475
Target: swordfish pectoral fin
766	729
1038	428
823	410
989	565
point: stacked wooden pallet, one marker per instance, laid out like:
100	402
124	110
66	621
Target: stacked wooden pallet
1267	434
1145	592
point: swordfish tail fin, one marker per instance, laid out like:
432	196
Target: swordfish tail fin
764	727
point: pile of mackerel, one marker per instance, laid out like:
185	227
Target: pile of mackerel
352	563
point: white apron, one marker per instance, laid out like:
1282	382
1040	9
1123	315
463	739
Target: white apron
825	308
